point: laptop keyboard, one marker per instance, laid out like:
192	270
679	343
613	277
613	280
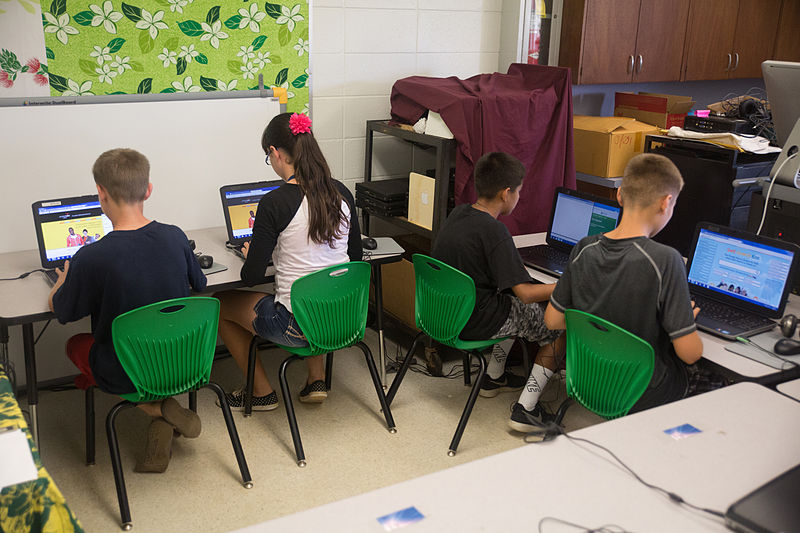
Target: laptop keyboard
543	251
710	309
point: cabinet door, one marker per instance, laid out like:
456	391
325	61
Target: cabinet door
709	39
754	41
660	38
787	42
609	38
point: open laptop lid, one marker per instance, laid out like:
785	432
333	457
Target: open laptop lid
239	204
771	508
576	215
742	269
64	225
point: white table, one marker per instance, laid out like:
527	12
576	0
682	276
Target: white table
713	346
737	450
791	389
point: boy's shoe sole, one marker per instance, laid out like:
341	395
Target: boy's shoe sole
315	392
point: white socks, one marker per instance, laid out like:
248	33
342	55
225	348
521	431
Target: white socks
496	362
534	387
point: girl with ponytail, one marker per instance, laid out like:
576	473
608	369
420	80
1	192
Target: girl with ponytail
306	224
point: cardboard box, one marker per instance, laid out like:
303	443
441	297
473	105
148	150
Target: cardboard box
662	110
398	291
421	191
604	145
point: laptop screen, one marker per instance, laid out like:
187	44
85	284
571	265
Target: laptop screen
241	205
64	226
750	271
575	218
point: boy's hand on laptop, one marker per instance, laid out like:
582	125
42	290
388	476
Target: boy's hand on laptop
695	309
62	273
245	248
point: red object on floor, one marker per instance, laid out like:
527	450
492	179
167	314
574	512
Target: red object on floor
78	347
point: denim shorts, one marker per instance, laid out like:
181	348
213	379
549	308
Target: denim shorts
275	323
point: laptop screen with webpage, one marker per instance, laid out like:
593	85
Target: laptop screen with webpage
733	266
575	217
64	226
240	203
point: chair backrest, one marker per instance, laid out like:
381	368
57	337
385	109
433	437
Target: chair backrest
167	348
608	368
330	305
444	299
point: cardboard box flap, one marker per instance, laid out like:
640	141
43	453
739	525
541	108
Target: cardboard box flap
675	104
601	124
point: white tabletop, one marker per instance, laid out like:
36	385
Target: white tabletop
713	346
791	389
737	450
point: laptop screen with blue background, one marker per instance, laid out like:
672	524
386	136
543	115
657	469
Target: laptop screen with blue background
749	271
575	218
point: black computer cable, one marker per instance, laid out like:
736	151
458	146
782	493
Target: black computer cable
783	360
24	274
606	528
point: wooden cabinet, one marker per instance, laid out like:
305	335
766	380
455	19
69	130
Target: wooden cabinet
729	38
623	41
787	41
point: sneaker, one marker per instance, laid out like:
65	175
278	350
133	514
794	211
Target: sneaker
521	418
259	403
315	392
508	382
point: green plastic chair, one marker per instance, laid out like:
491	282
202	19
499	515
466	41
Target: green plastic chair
330	306
444	300
166	348
608	368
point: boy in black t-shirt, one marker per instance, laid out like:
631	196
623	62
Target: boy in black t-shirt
506	302
638	284
139	263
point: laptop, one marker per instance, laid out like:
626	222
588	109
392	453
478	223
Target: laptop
65	225
239	205
771	508
740	281
575	215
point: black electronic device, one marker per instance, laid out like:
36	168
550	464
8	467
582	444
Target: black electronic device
788	326
205	261
771	508
787	347
388	198
368	243
717	124
239	206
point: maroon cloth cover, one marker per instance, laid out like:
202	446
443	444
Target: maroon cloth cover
526	113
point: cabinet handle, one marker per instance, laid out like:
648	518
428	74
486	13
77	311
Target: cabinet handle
630	65
736	61
730	59
639	63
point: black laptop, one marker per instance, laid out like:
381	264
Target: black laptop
575	215
739	280
239	205
771	508
64	225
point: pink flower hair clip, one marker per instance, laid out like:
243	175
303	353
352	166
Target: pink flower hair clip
299	123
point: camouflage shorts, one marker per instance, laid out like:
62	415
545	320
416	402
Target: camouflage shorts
527	321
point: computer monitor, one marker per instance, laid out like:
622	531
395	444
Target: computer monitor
782	80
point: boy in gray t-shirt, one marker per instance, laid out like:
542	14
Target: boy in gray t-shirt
636	283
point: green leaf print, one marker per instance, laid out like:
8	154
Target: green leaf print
146	44
133	13
144	86
115	44
283	36
213	15
273	10
9	61
258	42
180	66
233	22
118	92
58	7
171	44
208	84
58	83
49	53
87	66
202	59
233	66
276	59
300	81
136	66
282	76
84	18
168	90
191	28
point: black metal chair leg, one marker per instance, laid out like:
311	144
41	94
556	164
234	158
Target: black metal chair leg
251	375
401	372
328	370
247	481
526	359
116	463
193	400
376	381
90	424
287	401
473	395
466	368
562	410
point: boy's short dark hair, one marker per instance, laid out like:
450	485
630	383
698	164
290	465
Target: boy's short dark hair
124	174
497	171
648	178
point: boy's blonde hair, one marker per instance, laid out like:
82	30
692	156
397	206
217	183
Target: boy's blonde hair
648	178
124	173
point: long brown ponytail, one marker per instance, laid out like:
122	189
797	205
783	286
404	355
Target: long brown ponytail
325	214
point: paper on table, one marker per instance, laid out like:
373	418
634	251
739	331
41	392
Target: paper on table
16	461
